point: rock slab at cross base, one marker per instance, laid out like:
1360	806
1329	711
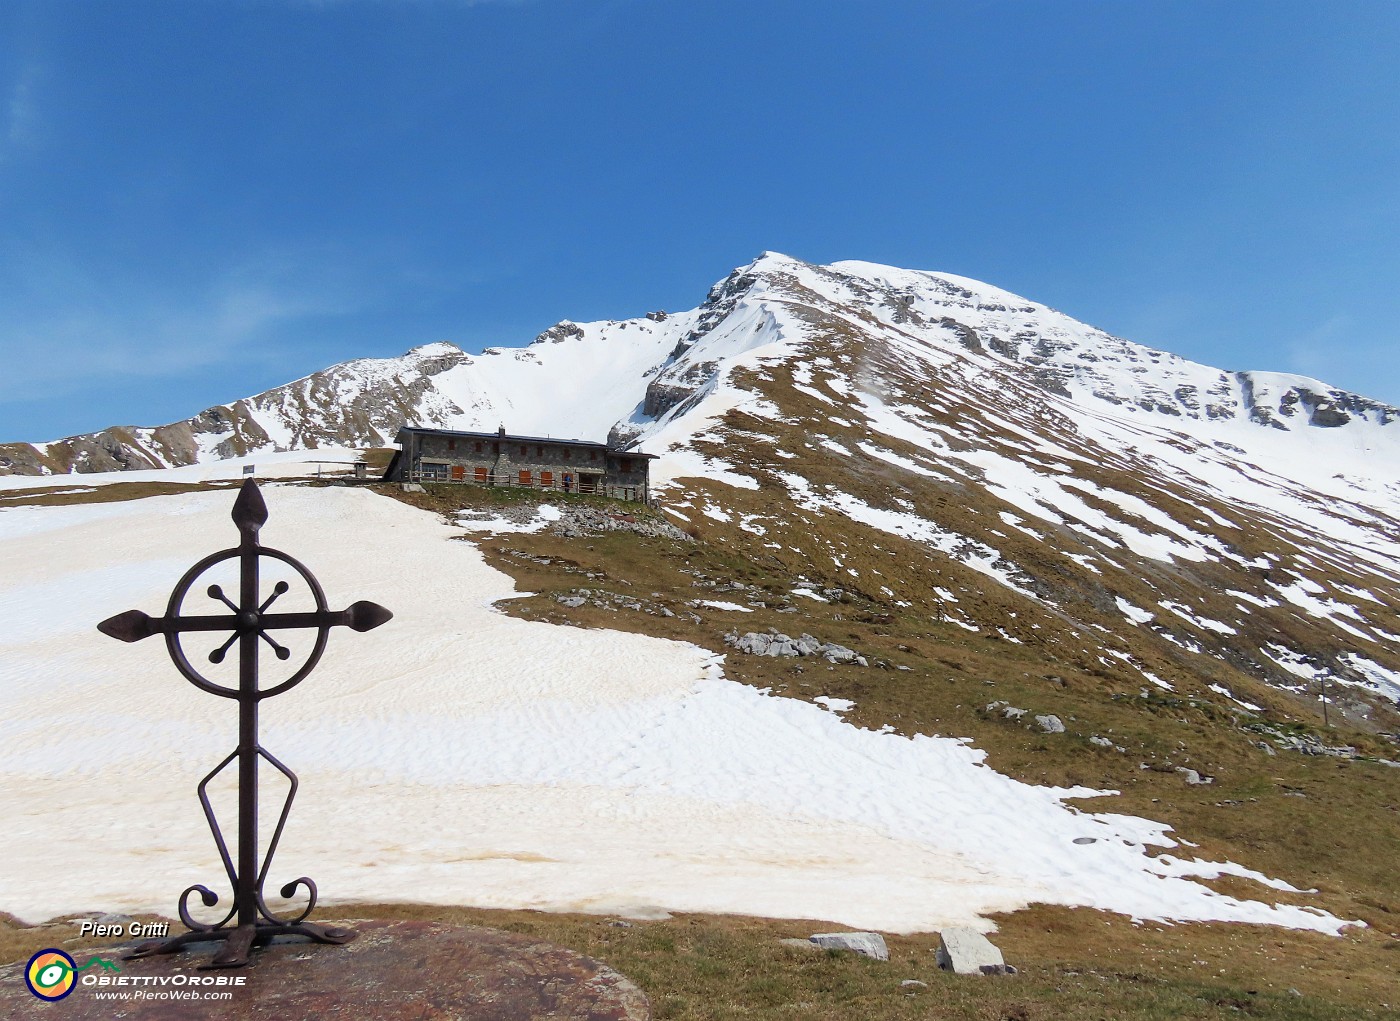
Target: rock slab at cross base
418	970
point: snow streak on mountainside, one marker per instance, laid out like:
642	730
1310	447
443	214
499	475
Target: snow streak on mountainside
1032	478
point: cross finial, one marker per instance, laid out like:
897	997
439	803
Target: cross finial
249	510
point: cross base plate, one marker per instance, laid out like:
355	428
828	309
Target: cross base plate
239	942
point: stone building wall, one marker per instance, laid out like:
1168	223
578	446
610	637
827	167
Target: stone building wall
500	460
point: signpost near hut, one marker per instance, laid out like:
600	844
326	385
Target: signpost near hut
248	622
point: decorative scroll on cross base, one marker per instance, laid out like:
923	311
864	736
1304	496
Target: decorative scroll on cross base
248	624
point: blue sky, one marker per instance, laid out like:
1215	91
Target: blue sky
201	199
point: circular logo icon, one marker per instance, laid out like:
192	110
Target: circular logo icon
50	974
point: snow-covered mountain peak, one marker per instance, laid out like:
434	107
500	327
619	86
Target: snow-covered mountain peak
1057	353
629	379
434	350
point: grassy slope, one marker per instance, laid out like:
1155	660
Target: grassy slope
1338	837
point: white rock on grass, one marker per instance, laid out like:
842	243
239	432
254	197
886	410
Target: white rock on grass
781	645
834	653
753	643
1050	724
871	944
968	952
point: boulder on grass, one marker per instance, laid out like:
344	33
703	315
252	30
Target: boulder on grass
753	643
968	952
871	944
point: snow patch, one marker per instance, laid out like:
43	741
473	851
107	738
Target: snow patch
512	763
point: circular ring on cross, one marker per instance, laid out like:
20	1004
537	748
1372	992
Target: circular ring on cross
243	621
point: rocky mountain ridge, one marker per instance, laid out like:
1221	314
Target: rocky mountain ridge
666	359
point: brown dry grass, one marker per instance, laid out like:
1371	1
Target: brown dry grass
1072	964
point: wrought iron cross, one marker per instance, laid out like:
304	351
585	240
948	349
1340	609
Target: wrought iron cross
248	622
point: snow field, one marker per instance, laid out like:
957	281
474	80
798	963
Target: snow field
457	755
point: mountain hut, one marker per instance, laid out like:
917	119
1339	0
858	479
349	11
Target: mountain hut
532	462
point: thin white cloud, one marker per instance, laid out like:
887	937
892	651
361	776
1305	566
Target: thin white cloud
1342	352
1317	350
19	128
65	332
